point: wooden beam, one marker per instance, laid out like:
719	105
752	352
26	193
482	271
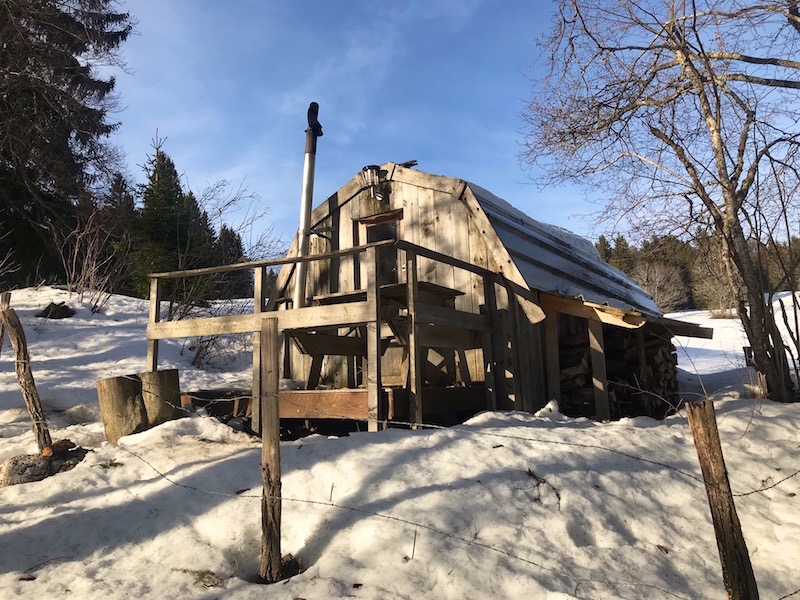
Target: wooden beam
354	313
592	312
258	307
447	336
324	404
599	377
329	345
676	327
443	258
383	217
441	315
204	326
316	317
289	260
494	371
552	359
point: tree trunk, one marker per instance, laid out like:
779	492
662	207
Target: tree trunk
769	353
25	377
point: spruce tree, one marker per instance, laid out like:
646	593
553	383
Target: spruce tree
230	250
158	228
54	108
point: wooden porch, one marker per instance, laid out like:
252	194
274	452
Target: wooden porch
360	325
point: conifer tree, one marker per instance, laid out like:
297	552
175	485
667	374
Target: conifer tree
54	109
158	230
230	250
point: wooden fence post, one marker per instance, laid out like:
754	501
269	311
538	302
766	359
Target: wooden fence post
22	365
258	307
270	567
737	571
154	317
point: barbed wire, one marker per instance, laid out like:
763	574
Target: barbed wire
388	517
326	414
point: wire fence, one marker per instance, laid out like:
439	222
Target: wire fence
320	413
574	446
470	542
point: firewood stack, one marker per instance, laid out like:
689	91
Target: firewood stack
633	390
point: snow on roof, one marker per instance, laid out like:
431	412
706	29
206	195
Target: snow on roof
557	261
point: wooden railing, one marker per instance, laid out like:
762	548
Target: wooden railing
425	321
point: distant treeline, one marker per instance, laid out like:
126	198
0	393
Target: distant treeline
695	274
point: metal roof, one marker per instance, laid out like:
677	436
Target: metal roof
557	261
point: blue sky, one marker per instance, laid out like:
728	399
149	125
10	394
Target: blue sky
440	81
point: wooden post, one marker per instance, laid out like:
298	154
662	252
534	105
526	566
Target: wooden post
22	365
494	373
270	567
737	571
155	317
258	307
414	363
373	339
552	358
599	378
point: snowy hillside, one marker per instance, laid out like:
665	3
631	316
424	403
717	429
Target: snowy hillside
505	506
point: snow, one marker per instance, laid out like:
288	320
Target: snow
507	505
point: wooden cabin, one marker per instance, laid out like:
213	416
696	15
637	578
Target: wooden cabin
469	304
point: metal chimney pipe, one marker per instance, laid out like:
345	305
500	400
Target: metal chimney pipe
313	132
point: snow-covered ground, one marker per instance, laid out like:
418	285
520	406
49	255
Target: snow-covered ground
505	506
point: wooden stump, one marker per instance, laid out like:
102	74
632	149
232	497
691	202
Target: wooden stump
161	394
121	406
134	403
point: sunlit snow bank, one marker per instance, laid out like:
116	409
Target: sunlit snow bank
506	506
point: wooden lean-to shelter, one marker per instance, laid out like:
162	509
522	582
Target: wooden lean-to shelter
470	303
427	299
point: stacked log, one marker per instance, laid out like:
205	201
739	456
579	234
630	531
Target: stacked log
577	393
650	389
634	390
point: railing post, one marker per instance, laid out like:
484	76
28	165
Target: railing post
373	339
414	362
494	372
154	317
258	307
737	570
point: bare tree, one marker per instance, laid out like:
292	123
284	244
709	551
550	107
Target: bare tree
663	281
680	108
715	283
94	256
